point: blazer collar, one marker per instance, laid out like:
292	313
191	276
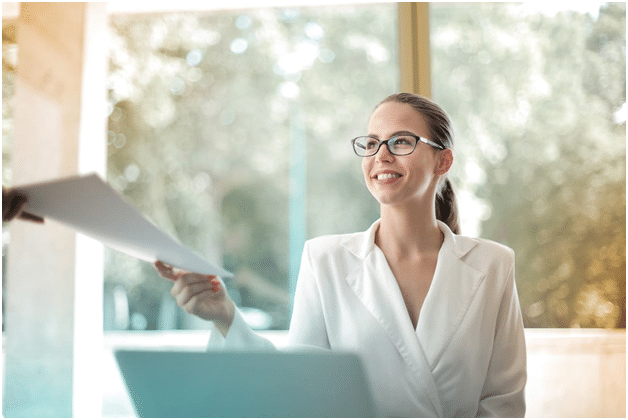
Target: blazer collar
362	244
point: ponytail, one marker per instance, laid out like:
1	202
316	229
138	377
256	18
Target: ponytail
447	207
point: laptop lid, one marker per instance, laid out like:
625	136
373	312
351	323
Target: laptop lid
245	384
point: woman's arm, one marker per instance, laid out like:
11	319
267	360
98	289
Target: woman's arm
206	297
503	391
307	327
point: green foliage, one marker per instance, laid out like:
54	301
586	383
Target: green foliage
533	98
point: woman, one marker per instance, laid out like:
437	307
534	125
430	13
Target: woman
434	315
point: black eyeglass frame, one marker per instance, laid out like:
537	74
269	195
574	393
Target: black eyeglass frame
388	143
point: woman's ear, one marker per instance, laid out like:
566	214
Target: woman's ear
445	160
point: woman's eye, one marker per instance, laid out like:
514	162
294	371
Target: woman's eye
402	141
371	145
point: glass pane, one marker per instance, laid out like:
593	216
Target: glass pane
537	95
231	132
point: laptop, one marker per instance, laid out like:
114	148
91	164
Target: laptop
245	383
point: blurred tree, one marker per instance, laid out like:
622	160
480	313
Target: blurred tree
539	104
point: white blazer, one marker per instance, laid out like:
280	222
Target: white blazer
467	355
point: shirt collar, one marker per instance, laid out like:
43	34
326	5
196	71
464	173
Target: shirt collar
363	243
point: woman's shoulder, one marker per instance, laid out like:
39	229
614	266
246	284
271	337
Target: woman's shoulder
334	254
495	261
332	242
495	248
485	254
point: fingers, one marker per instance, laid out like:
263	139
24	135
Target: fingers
204	298
197	294
165	271
196	305
195	283
31	217
13	202
170	273
190	294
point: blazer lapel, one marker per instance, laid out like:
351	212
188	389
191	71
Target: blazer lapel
374	284
453	286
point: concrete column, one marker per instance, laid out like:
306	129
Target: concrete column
53	313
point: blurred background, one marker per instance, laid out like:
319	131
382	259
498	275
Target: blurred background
231	131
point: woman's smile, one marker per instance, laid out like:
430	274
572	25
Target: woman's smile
387	176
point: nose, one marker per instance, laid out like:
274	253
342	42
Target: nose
383	154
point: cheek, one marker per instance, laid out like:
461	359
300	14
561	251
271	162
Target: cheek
366	164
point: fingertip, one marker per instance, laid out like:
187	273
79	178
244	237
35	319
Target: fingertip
162	266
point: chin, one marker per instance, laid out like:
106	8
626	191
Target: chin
387	199
396	199
386	195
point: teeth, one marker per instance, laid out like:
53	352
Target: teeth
388	176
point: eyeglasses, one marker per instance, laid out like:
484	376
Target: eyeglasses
402	145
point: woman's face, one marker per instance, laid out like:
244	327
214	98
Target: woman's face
399	179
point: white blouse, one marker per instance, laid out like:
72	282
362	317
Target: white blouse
467	355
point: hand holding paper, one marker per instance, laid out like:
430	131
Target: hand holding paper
90	206
200	295
13	202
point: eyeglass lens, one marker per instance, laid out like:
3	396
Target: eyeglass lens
368	146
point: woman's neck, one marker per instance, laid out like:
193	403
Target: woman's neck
409	230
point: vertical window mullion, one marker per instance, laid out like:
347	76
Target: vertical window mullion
414	48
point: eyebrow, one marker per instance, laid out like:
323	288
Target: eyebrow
396	133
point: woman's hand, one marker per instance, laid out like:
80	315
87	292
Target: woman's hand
200	295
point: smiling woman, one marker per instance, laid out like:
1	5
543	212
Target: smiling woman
434	316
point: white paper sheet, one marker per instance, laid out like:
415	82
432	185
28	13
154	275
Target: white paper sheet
90	206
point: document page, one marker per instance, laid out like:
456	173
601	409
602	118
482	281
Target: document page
90	206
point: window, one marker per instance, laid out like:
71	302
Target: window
537	95
231	131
